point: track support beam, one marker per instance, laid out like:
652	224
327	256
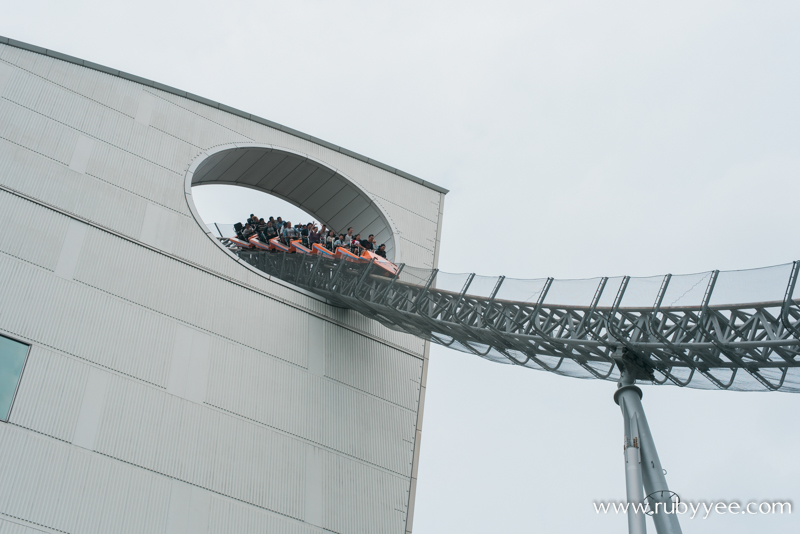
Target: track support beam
643	472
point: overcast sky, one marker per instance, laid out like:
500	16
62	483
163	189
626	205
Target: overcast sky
578	139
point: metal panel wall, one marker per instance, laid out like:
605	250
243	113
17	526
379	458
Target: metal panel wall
380	371
383	505
25	171
105	330
243	380
49	399
204	447
109	207
226	515
19	231
144	426
67	488
303	416
9	527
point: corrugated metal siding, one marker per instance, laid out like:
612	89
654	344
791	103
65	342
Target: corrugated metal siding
415	254
125	278
84	322
185	124
373	179
375	369
26	171
33	235
369	429
23	127
184	440
362	412
193	296
26	60
50	394
420	231
8	527
44	100
264	389
64	487
29	173
227	516
139	176
163	433
397	194
380	506
285	397
239	127
110	91
413	208
359	322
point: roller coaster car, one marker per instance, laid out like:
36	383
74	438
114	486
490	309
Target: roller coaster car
342	252
275	244
381	262
257	243
241	243
297	246
316	248
238	228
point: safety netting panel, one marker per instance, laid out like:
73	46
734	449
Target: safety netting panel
686	290
736	330
483	286
762	285
570	293
675	303
752	286
610	291
450	282
641	293
415	275
518	290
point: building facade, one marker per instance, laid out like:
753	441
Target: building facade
169	387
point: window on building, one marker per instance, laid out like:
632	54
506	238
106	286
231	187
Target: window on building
12	360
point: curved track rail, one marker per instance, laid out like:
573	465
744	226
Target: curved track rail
689	334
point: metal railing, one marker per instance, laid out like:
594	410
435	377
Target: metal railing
737	330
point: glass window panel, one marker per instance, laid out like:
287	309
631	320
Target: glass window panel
12	360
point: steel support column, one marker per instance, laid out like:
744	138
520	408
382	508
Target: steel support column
634	487
643	471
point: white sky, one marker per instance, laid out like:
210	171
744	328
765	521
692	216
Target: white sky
597	138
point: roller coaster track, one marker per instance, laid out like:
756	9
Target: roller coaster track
702	343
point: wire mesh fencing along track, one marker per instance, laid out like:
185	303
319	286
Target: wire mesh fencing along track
735	330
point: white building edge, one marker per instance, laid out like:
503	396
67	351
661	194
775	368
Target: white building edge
170	387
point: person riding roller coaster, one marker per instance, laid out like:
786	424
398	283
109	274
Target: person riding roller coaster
278	236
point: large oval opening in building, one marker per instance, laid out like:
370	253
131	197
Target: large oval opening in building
326	195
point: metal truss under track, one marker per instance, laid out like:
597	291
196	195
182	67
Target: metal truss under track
740	346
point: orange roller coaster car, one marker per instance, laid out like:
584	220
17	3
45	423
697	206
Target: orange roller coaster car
316	248
297	246
257	243
342	252
275	244
240	242
381	262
